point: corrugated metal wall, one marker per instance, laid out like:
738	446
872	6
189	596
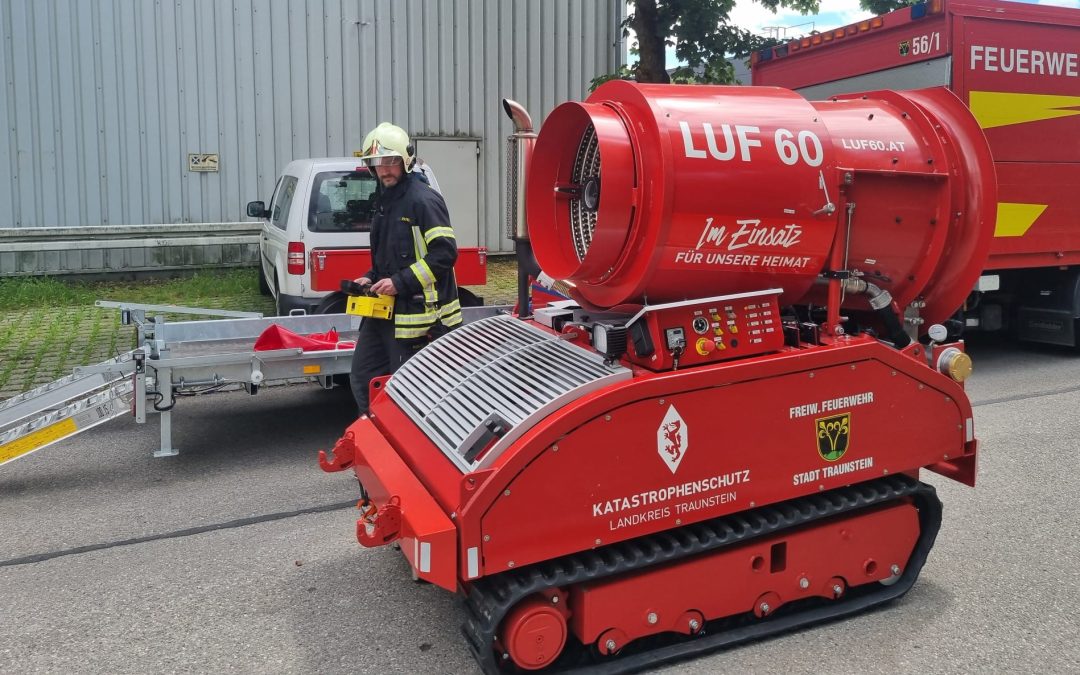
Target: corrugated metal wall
104	99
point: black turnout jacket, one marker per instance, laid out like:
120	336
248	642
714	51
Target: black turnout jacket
413	245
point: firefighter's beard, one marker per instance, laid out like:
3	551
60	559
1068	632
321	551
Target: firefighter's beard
389	176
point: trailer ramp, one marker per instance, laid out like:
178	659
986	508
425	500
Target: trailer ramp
40	417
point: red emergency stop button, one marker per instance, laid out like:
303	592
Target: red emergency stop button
705	346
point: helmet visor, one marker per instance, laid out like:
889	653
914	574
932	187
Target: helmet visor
383	160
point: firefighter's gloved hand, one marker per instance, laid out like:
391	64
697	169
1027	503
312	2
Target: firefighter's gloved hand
356	287
384	287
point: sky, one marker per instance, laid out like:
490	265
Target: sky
834	13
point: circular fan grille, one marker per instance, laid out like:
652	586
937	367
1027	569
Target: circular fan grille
586	166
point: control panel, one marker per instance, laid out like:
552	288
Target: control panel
695	332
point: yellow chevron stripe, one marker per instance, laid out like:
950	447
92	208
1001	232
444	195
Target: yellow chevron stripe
1014	220
999	109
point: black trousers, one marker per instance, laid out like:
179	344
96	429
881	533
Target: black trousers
378	353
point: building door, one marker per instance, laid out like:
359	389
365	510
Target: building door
455	162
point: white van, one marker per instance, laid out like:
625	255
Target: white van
317	233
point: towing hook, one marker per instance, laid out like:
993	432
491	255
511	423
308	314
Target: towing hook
379	527
344	454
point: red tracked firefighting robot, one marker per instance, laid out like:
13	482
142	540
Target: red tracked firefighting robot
720	436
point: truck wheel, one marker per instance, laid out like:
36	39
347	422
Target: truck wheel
264	287
468	299
333	304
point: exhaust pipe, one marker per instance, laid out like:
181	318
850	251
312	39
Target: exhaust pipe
519	147
518	115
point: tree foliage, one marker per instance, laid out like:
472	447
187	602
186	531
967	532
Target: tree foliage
703	37
885	6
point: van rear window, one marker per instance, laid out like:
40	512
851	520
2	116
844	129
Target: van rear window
342	201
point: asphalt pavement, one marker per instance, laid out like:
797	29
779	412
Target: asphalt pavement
239	554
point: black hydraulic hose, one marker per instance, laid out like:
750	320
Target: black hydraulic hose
527	267
881	302
893	327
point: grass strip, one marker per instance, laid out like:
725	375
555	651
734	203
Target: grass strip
95	331
43	346
113	333
10	341
75	319
32	292
37	317
11	329
187	291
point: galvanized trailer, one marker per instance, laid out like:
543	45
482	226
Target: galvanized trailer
174	360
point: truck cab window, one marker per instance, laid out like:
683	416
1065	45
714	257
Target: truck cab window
341	201
282	201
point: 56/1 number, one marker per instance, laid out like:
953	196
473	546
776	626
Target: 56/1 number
924	44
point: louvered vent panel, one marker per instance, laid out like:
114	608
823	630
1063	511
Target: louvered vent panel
496	371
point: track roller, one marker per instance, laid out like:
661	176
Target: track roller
534	632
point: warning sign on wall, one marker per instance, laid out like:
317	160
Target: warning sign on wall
202	161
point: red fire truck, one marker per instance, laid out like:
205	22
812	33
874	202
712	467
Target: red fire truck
1017	66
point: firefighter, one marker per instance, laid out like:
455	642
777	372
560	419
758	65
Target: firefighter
412	254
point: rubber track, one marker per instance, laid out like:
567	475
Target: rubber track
488	600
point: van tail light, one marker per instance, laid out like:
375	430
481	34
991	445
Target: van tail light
296	257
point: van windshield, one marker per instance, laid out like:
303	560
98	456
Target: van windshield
341	201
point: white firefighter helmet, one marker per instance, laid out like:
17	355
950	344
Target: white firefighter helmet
384	143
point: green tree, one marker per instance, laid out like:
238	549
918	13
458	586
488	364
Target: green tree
702	35
885	6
